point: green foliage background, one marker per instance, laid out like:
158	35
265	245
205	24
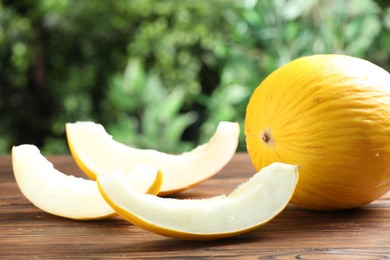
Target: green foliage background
161	74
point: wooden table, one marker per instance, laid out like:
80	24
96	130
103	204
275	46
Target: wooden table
28	233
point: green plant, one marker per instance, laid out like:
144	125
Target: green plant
145	114
64	60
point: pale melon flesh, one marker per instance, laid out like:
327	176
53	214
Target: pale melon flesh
97	153
250	205
66	195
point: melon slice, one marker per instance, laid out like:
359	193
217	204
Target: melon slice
97	153
249	206
66	195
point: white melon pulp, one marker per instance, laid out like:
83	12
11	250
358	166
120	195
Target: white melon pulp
97	153
249	206
66	195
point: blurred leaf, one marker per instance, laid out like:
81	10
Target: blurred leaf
135	78
176	128
364	33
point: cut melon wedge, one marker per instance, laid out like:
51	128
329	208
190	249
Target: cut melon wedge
249	206
68	196
97	153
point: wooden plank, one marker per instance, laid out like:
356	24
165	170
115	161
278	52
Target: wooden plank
27	233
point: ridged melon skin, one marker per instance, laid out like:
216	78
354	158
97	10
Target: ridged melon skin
329	114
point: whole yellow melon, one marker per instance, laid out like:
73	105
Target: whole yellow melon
330	114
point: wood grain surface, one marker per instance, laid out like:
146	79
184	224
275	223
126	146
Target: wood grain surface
28	233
